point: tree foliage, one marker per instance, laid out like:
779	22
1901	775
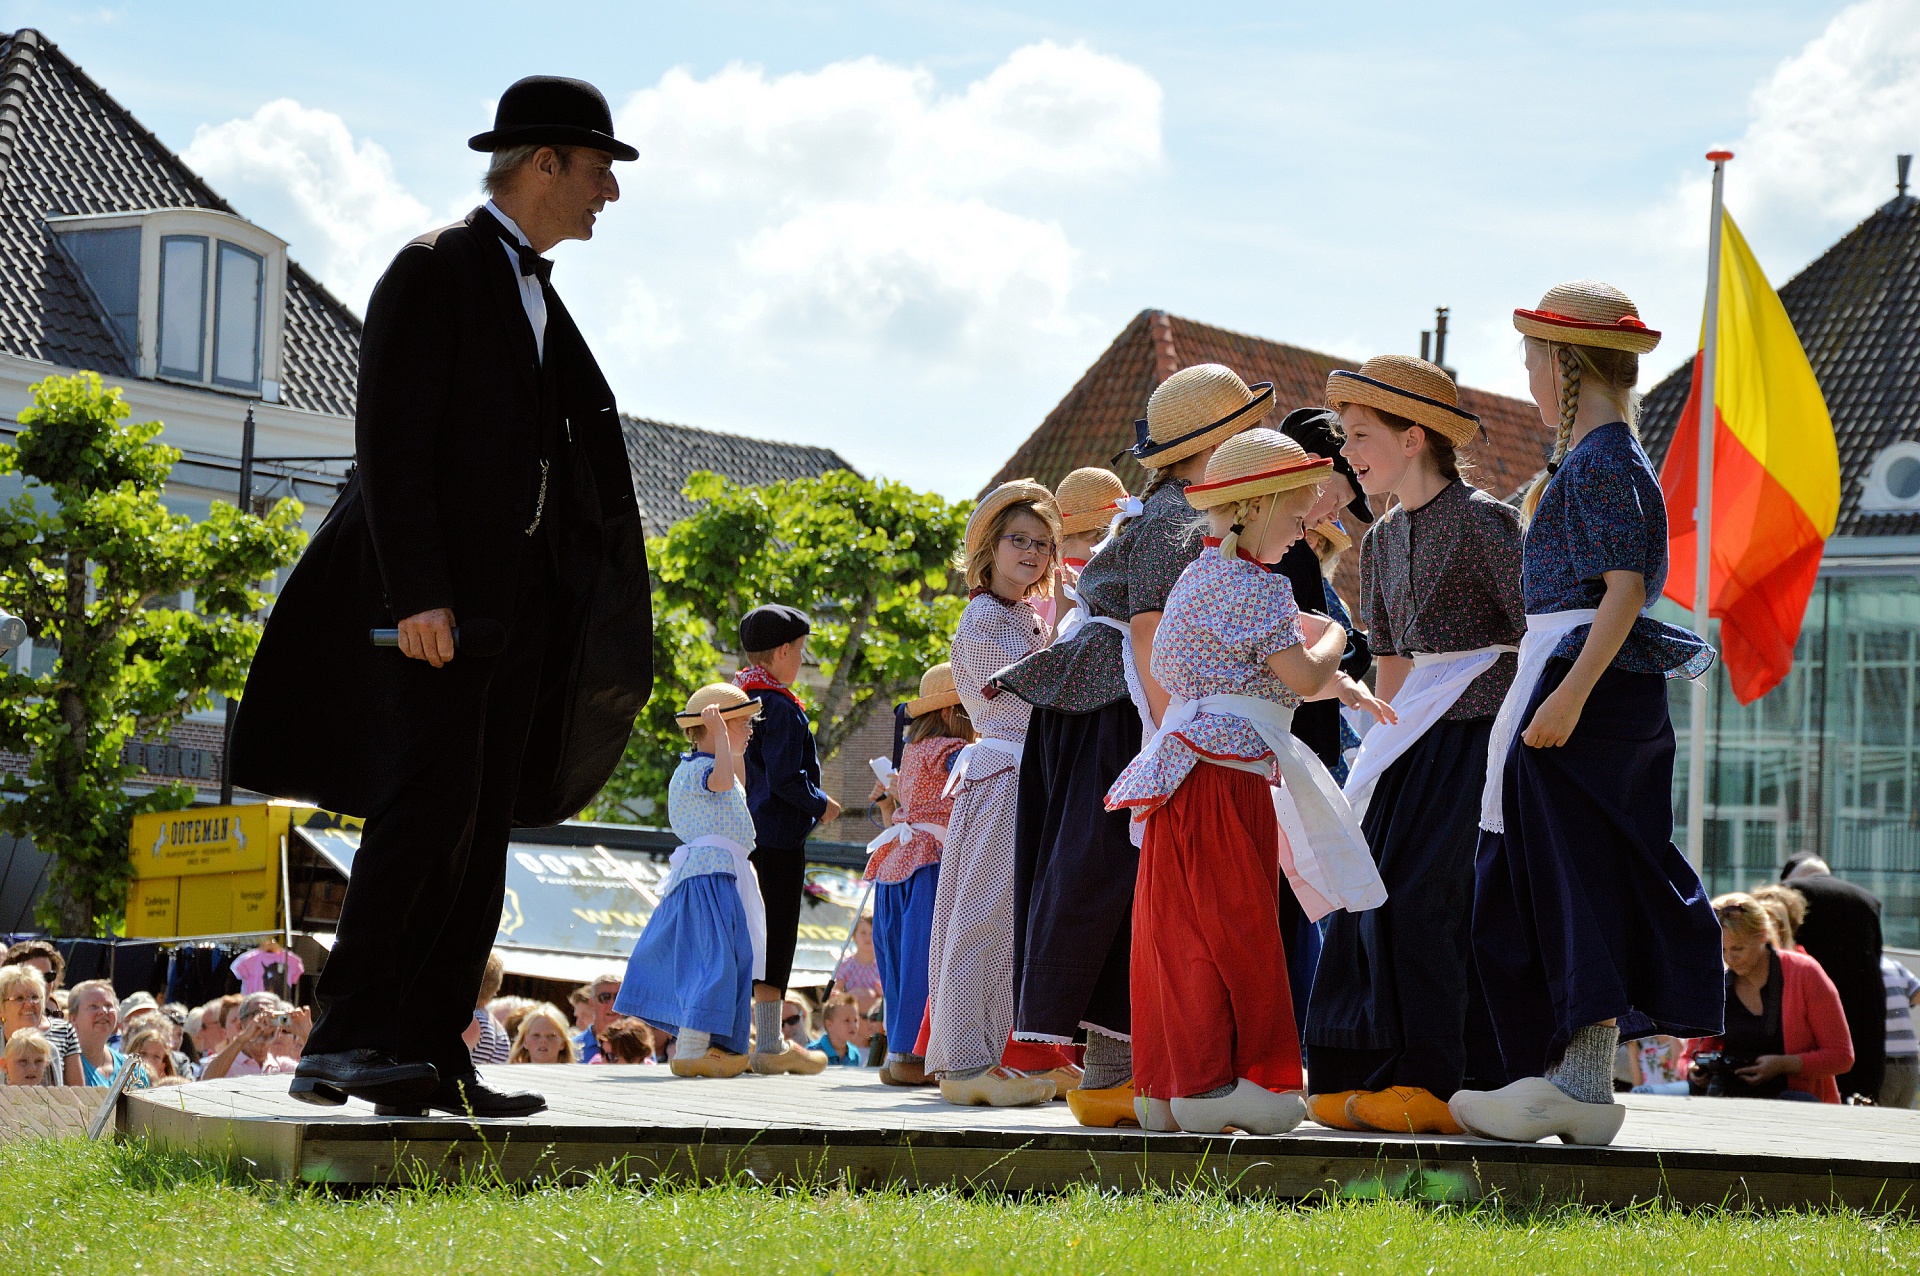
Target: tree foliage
871	561
88	553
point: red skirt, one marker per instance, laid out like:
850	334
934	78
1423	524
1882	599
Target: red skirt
1210	999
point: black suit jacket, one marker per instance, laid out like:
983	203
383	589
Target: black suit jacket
454	414
1842	933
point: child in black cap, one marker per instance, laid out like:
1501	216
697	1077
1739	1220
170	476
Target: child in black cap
783	792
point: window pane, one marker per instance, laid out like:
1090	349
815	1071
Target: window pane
183	303
236	319
110	260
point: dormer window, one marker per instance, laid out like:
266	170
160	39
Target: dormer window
1892	485
192	295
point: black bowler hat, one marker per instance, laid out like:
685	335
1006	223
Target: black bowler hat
1317	430
555	111
772	625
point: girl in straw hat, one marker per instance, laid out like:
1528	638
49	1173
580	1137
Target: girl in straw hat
1093	692
1214	1042
1091	501
692	970
1010	543
1587	921
904	864
1396	1022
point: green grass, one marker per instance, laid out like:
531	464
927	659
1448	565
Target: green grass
73	1207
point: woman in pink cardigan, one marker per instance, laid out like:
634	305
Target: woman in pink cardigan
1784	1029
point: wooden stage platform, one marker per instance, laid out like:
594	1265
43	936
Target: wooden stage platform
845	1127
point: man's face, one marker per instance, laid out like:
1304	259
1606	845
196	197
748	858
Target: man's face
578	192
603	1011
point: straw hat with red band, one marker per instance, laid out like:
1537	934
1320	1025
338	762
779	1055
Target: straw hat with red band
1087	499
1016	492
1407	387
936	691
733	702
1253	464
1196	408
1587	312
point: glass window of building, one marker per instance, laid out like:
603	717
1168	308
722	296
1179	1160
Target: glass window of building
183	306
237	315
109	260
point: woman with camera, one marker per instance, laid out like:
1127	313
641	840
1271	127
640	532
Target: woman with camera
1786	1035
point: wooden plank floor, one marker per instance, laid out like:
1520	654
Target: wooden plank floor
844	1126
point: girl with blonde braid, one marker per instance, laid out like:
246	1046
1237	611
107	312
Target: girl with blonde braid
1588	923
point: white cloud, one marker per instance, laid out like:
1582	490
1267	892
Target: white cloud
299	172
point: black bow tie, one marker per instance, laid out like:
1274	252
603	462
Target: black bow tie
531	262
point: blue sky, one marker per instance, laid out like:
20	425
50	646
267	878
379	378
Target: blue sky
903	230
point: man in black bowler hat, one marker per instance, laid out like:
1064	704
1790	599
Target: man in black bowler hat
491	519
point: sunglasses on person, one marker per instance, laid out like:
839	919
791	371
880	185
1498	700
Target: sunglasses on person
791	1020
1023	542
605	997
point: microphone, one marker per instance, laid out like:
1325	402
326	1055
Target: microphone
475	638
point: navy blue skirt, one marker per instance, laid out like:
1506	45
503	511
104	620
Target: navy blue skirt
1395	999
1584	910
1073	874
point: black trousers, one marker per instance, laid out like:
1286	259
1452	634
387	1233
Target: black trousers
782	873
423	899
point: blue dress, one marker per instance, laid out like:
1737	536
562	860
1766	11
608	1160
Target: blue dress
692	966
1584	910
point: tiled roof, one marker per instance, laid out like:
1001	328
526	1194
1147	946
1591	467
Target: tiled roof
662	456
1095	419
68	147
1857	312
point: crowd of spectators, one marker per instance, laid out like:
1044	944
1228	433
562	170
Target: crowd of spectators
1815	1010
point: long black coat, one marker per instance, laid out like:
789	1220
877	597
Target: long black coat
448	440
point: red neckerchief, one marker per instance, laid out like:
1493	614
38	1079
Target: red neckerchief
1213	542
754	678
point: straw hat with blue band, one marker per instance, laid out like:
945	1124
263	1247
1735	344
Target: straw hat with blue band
1407	387
1195	409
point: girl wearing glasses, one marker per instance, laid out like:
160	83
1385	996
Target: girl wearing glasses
1009	546
1092	693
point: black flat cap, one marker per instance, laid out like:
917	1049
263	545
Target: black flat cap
772	625
1317	430
552	110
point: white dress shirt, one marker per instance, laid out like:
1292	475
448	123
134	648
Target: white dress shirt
532	298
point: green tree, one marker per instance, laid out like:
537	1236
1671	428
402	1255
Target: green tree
872	561
89	558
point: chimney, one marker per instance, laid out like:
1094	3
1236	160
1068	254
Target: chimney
1901	164
1426	344
1439	342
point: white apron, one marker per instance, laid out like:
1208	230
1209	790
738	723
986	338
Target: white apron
745	881
1544	632
1331	867
966	755
1437	682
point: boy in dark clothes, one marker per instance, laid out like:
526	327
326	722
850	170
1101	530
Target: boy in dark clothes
783	792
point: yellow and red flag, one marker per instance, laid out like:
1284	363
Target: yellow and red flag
1776	478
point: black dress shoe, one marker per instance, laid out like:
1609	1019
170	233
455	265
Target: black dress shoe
469	1097
373	1075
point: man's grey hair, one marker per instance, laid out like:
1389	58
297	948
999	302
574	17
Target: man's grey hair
258	1001
508	159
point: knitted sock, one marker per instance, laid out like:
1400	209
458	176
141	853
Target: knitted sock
1585	1071
1108	1062
1218	1092
895	1056
964	1074
766	1028
691	1044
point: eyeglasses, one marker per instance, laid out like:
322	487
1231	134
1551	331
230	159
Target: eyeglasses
790	1020
1023	542
28	1000
605	997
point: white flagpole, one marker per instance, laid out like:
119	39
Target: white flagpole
1703	528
